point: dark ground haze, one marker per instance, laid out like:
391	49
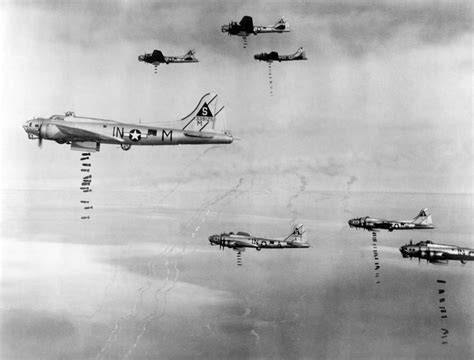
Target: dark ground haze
141	281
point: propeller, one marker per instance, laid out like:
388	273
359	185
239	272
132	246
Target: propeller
40	137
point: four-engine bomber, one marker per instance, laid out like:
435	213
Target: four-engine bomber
84	133
437	253
421	221
242	240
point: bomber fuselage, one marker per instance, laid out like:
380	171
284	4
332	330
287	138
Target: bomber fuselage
238	240
390	225
437	252
112	132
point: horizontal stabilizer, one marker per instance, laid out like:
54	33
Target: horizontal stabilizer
197	134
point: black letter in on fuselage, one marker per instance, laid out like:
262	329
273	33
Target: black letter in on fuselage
117	132
164	133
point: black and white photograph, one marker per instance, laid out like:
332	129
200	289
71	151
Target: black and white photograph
205	179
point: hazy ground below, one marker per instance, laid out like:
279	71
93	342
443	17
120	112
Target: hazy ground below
140	280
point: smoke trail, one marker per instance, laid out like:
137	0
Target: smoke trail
290	206
347	194
134	310
257	337
188	166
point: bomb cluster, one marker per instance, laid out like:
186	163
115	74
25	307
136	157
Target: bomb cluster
376	257
86	185
443	311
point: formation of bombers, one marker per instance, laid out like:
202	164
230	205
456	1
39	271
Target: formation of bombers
427	250
199	127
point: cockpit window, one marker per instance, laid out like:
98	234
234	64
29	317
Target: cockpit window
36	125
30	124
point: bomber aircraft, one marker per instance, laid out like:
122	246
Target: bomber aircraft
437	253
242	240
274	56
156	58
246	27
421	221
85	133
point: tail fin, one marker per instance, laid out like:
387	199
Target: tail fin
190	55
282	24
298	236
203	117
300	53
423	218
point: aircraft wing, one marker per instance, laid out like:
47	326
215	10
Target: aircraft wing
157	55
241	244
85	135
438	261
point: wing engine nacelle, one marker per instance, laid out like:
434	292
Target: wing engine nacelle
52	132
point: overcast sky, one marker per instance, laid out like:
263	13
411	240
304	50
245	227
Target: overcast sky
385	97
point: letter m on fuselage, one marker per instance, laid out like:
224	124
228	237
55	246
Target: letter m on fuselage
167	134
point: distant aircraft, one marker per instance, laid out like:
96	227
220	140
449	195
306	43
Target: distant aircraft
246	27
242	240
85	133
274	56
421	221
437	253
156	58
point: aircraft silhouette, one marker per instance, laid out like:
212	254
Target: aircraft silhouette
437	253
85	133
245	27
242	240
421	221
156	58
274	56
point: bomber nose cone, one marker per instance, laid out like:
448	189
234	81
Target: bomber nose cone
351	223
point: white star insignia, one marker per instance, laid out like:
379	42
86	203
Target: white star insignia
135	135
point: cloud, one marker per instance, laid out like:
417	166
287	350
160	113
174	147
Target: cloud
366	26
357	27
